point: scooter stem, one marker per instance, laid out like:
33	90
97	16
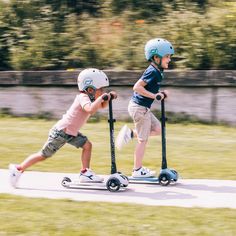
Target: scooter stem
112	142
163	134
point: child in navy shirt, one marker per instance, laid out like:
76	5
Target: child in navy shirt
158	51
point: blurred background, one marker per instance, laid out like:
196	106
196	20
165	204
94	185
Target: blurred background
36	35
64	37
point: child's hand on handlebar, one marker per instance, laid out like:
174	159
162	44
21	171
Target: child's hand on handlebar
109	96
166	93
162	95
105	97
113	95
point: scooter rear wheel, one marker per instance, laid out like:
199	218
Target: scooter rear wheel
66	181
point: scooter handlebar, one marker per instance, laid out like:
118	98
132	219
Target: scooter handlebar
158	97
105	97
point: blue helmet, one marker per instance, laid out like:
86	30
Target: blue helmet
159	47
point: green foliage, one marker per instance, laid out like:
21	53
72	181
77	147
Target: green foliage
141	9
112	34
41	50
4	47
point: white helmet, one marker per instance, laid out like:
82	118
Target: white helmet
92	78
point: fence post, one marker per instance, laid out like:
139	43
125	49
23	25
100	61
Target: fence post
214	101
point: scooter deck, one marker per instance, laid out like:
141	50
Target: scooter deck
147	180
93	186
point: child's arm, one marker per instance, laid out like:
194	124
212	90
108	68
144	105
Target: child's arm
139	88
91	108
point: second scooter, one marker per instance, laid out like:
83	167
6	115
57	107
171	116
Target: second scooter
166	175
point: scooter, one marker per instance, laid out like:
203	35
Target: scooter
166	175
116	180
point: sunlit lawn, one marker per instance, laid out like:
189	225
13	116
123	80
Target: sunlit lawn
23	216
196	151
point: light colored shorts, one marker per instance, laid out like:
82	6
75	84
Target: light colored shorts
144	120
57	138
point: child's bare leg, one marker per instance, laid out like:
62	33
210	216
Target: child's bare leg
87	175
156	131
139	153
31	160
86	155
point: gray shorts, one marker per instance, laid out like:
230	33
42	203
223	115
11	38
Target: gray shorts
144	120
57	138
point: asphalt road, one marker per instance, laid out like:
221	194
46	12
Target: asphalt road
185	193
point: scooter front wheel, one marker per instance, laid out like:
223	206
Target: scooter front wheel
113	184
164	179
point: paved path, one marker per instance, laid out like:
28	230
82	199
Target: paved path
186	193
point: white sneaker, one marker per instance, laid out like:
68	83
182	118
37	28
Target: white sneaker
124	136
143	172
90	176
14	175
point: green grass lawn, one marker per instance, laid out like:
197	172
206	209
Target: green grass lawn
22	216
195	151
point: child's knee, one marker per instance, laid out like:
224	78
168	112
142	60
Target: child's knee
88	145
142	141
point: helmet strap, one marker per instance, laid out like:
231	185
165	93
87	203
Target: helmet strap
91	95
158	66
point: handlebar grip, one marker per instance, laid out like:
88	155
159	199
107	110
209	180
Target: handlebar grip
105	97
158	97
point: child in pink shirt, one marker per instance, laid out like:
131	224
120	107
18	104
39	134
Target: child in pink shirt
67	130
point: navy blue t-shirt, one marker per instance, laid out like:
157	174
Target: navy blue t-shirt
153	78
